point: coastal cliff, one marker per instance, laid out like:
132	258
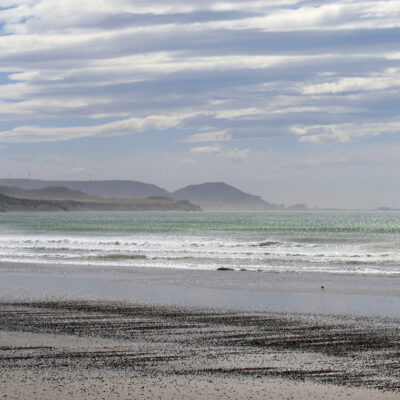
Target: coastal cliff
8	203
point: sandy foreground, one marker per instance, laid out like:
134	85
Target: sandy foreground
104	350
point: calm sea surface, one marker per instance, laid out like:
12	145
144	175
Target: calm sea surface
344	242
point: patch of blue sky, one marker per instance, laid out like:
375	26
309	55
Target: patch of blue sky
125	144
2	32
2	24
5	126
388	137
23	20
12	101
4	79
118	145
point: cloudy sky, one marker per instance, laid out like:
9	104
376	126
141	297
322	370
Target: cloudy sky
297	101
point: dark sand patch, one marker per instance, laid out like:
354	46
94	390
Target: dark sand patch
157	344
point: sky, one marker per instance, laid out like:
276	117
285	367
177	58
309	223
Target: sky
296	101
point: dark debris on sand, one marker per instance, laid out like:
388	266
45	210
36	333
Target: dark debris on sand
358	352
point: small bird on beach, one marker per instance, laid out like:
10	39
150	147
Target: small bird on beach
322	287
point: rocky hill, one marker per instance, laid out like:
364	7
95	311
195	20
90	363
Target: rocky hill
8	203
48	193
220	196
106	188
217	196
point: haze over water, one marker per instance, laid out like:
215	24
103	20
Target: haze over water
337	242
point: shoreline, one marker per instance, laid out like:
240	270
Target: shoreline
109	350
141	333
235	290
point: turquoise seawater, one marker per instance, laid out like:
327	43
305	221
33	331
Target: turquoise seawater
337	242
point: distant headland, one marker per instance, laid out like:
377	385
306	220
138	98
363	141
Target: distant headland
127	195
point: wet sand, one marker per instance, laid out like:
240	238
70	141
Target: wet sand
107	350
377	295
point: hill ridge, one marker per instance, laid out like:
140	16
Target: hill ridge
222	196
212	196
105	188
8	203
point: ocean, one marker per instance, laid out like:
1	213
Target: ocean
344	242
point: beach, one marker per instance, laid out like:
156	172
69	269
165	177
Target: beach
199	306
88	350
199	200
114	334
300	292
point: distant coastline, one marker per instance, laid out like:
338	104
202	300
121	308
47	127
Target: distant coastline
126	195
8	204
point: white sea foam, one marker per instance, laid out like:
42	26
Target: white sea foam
197	252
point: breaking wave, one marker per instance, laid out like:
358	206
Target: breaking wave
360	243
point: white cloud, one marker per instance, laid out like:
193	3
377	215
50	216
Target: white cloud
324	71
229	154
351	84
218	136
238	113
82	60
206	149
16	91
334	15
392	56
235	154
343	132
121	127
70	15
166	63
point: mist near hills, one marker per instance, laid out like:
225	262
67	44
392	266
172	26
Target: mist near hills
8	204
107	188
48	193
56	198
210	196
221	196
